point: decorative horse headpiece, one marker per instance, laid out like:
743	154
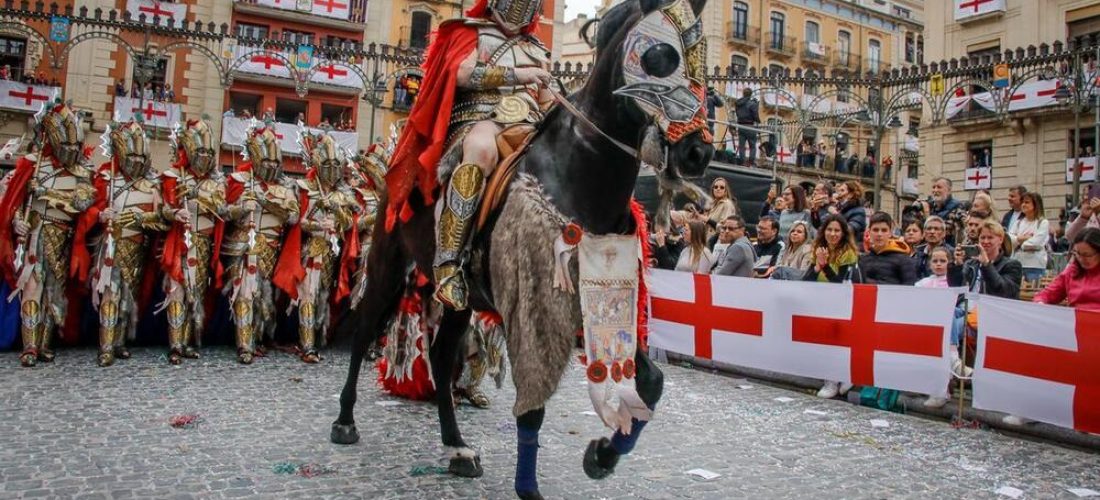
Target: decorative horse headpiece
324	154
663	68
261	146
514	15
195	141
62	130
128	145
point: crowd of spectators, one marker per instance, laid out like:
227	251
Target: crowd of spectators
29	77
830	235
150	91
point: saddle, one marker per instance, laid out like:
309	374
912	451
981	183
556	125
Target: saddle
511	144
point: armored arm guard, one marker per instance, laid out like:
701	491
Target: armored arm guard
490	76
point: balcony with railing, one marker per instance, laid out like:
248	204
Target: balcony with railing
349	15
876	66
742	35
815	53
845	60
779	45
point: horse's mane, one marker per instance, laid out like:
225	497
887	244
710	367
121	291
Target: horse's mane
611	32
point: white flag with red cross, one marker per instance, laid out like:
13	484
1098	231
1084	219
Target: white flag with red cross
264	62
336	74
978	178
157	114
864	334
23	97
165	13
1039	361
1087	166
966	10
339	9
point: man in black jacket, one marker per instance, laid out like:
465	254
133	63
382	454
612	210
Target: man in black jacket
768	246
747	109
888	261
713	101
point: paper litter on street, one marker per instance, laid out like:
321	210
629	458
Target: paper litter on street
784	399
878	422
1009	491
704	474
1084	492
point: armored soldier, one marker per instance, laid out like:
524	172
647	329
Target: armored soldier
264	202
128	206
498	67
195	204
43	204
329	210
367	180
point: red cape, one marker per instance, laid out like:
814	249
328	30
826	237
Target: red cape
288	268
416	157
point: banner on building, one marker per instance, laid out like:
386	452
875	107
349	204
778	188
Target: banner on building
1039	362
275	63
59	29
166	13
968	10
234	129
157	114
978	178
337	9
1087	166
864	334
23	97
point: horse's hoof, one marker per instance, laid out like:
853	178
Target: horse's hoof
529	495
465	467
593	467
344	433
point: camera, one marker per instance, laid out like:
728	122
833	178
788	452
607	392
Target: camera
971	251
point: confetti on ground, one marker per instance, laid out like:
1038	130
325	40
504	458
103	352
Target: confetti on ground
816	412
306	470
880	423
295	379
1009	492
744	386
703	474
784	399
1084	492
189	421
387	402
284	468
590	413
424	470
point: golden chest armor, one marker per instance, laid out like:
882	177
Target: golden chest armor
139	196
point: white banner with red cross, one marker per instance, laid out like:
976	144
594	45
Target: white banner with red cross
338	9
165	13
275	63
1087	166
969	9
157	114
863	334
978	178
23	97
235	129
1039	361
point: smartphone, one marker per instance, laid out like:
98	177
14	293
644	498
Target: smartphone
971	251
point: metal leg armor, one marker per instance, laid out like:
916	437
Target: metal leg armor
108	331
246	338
455	223
30	327
307	327
177	334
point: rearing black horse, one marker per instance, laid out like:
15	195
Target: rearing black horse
649	58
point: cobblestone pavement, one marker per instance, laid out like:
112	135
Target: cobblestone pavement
74	430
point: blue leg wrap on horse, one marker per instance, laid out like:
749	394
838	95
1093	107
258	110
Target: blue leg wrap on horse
527	465
623	443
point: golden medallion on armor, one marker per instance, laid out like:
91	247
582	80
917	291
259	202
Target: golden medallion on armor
511	109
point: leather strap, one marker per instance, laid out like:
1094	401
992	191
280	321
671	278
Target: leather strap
588	123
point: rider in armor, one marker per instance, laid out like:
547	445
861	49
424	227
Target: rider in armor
264	202
45	199
498	69
194	201
127	197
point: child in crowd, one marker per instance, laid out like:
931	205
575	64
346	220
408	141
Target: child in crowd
937	263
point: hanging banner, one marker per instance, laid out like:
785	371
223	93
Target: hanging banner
1088	169
23	97
1002	77
154	113
275	63
978	178
969	10
337	9
864	334
166	13
59	29
234	129
935	85
1039	362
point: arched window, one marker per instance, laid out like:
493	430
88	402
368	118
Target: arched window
844	47
740	20
739	63
419	29
813	32
874	55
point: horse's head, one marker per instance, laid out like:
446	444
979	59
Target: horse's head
658	75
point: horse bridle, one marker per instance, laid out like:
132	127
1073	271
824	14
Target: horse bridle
579	115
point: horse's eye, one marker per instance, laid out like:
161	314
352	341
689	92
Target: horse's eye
660	60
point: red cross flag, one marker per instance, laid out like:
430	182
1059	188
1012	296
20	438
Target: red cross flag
978	178
865	334
967	10
331	8
336	74
1039	362
1087	167
163	12
153	113
23	97
263	62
